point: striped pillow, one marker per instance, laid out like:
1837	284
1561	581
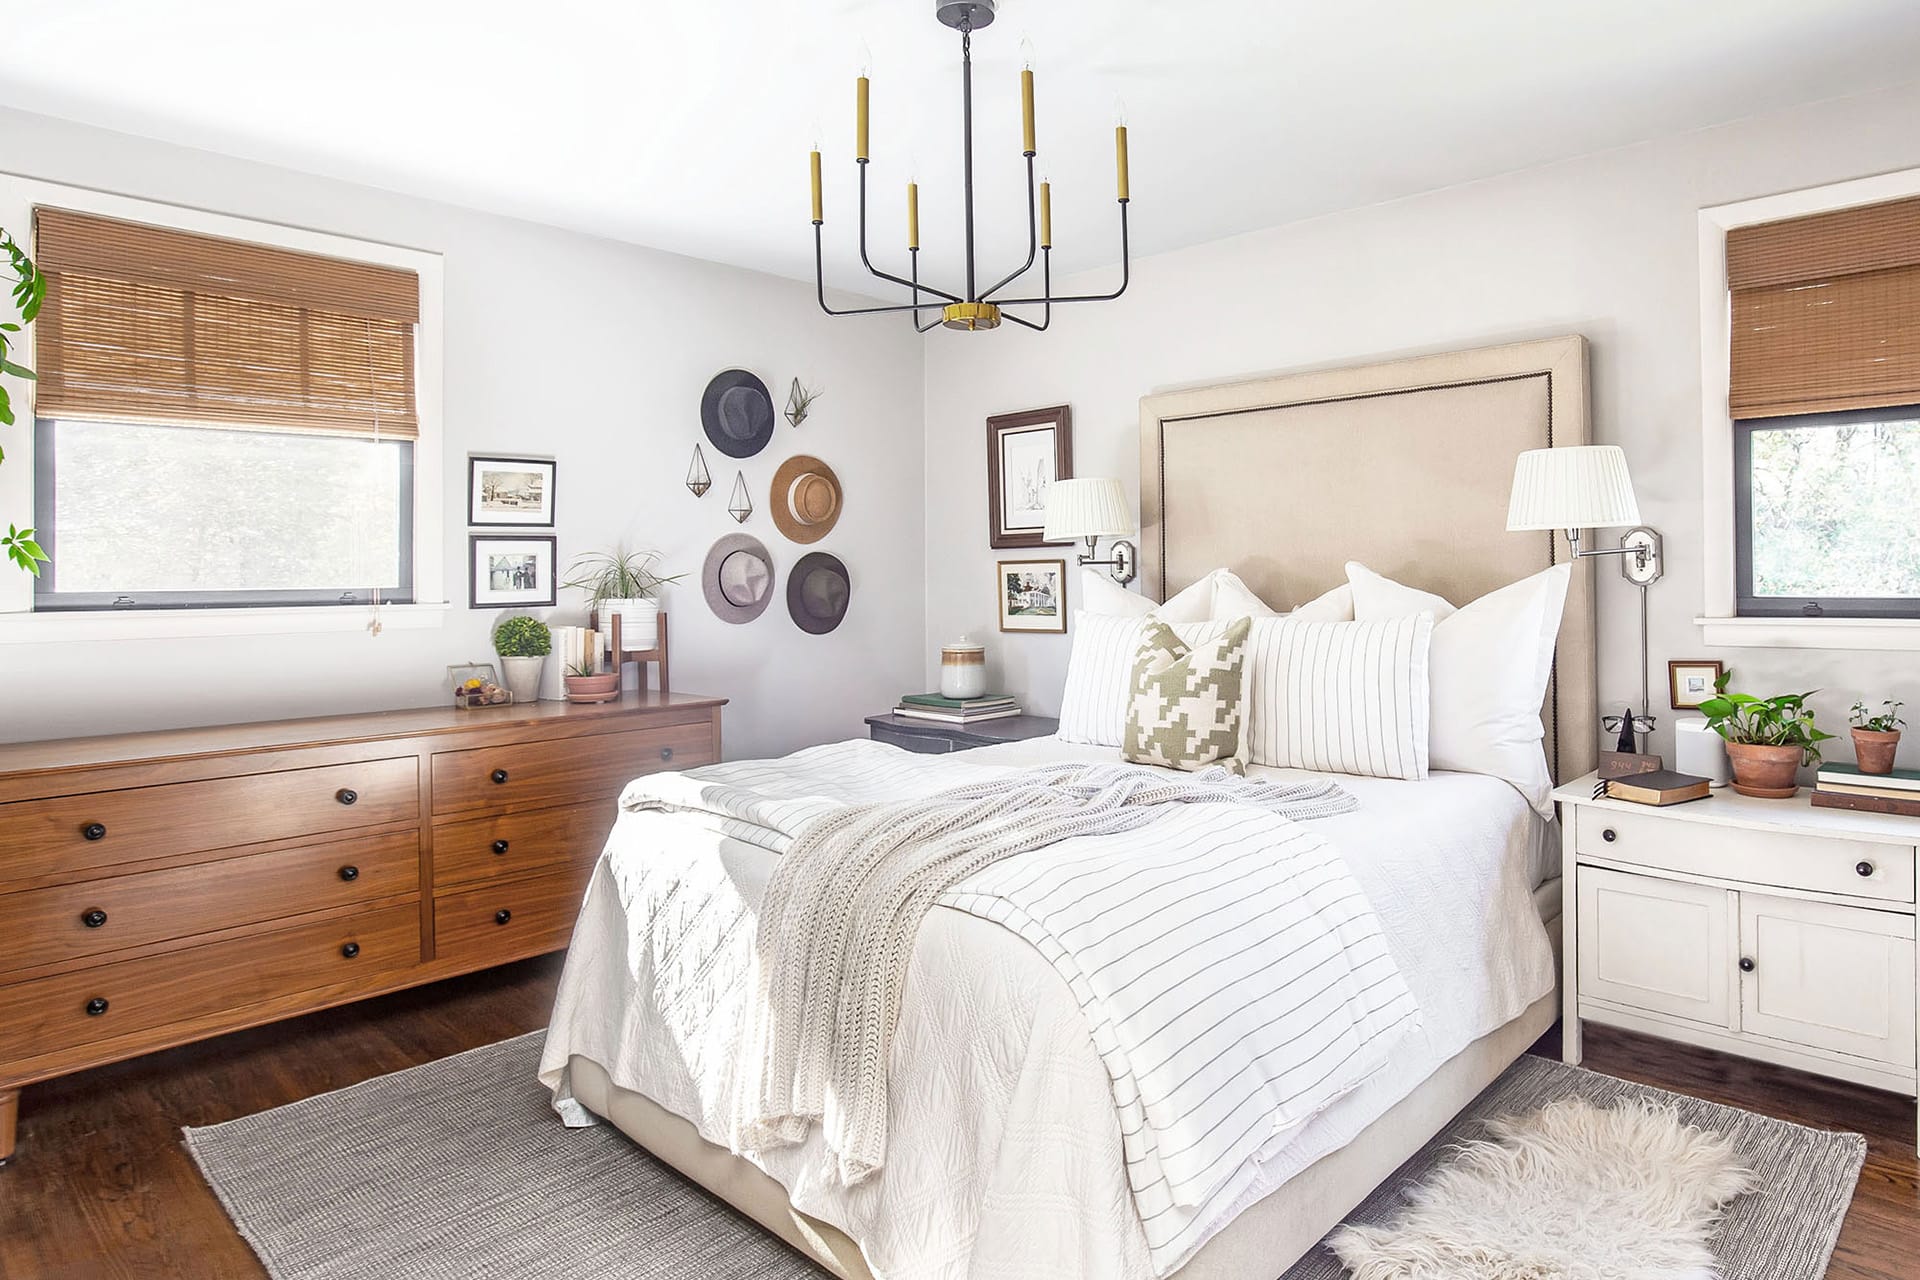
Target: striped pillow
1340	697
1093	706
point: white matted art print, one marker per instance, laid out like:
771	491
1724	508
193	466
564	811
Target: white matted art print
506	571
1033	595
1026	453
510	491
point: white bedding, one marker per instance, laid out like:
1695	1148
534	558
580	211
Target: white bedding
1004	1158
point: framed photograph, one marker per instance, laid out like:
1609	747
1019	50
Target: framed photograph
510	491
1691	683
1026	453
504	570
1033	595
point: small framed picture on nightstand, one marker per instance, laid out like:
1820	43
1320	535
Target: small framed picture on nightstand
1691	683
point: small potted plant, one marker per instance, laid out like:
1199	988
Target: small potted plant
623	582
523	644
584	685
1876	737
1768	739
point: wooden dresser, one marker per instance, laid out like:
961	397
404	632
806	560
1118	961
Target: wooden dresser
157	888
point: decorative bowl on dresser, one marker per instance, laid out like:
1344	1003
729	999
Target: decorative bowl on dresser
157	888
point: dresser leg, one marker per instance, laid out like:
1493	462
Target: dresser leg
9	1122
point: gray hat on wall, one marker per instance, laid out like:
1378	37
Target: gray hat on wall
737	413
738	578
818	590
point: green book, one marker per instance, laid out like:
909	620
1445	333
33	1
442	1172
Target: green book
959	704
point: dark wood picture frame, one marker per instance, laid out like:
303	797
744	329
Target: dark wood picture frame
474	541
1058	418
1676	666
476	460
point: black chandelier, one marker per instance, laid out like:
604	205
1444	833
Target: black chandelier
979	308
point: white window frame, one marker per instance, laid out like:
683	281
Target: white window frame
1719	621
19	624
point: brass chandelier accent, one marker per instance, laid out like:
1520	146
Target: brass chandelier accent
979	308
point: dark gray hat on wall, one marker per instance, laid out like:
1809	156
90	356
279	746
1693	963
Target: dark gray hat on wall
738	578
737	413
818	590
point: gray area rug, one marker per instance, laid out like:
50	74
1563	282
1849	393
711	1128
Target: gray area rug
459	1168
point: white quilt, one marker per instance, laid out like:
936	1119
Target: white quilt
1004	1157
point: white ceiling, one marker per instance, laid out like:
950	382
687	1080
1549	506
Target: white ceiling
685	125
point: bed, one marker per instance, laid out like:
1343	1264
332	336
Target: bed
1003	1155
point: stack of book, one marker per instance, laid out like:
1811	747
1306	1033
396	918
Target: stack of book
933	706
1843	786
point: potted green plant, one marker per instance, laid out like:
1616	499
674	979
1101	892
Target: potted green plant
586	685
523	644
1768	739
623	583
1876	737
29	291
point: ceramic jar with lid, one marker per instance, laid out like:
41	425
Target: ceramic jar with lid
963	669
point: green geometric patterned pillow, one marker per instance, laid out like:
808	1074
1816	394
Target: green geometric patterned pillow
1186	708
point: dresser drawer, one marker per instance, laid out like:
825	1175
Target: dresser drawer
476	850
509	919
69	921
107	828
156	994
1858	868
564	770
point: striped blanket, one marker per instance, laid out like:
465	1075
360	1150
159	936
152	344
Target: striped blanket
1231	973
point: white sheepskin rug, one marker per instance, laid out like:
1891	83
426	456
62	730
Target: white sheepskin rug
1568	1192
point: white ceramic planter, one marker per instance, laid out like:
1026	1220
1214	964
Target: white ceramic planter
639	621
522	677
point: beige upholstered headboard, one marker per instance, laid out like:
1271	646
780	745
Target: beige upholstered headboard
1403	466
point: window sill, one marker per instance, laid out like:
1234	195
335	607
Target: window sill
1811	633
165	624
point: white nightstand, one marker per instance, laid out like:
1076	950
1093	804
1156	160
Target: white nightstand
1766	928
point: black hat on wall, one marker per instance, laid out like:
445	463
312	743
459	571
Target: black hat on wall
737	413
818	590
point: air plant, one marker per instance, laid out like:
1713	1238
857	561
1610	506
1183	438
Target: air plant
799	400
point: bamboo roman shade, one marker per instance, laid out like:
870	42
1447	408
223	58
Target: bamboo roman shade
150	324
1826	311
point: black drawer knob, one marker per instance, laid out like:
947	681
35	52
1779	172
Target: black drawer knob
499	776
1746	964
96	1007
1863	869
346	795
93	917
1609	835
499	846
94	831
666	753
502	916
351	950
349	872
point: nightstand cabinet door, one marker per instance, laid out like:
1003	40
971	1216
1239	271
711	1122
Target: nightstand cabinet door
1828	977
1658	945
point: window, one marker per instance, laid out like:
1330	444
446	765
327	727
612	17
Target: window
220	423
1824	390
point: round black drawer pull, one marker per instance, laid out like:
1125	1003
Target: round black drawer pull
94	831
1609	835
1746	964
349	872
96	1007
346	795
502	916
666	753
499	776
1863	869
93	917
351	950
499	846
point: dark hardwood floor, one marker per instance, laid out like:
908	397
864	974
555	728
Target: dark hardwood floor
103	1188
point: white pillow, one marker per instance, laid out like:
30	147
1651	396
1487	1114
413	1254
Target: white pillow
1093	706
1332	606
1100	594
1340	697
1491	661
1233	598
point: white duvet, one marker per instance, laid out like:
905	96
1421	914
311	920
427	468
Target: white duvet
1004	1156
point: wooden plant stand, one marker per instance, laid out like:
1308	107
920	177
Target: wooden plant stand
621	654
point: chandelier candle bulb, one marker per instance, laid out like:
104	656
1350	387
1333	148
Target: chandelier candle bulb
913	215
1120	158
860	117
1046	215
814	163
1026	109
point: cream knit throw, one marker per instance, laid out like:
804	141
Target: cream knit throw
837	926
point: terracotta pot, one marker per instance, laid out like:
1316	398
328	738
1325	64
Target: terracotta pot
1873	749
1770	773
604	687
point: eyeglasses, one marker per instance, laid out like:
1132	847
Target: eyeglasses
1613	724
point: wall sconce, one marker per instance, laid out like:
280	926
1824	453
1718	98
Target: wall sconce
1093	509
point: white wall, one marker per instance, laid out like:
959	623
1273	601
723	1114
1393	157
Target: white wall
594	353
1604	246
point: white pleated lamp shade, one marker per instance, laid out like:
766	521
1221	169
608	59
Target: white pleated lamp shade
1087	509
1577	487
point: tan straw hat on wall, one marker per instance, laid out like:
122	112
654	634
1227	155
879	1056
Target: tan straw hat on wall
804	498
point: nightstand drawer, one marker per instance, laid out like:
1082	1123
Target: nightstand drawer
915	742
1857	868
